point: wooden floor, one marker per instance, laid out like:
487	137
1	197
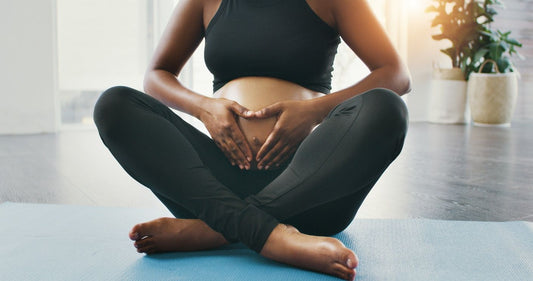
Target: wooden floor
444	172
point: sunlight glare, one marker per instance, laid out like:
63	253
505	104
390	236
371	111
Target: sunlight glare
415	5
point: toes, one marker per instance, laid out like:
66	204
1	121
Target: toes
143	243
151	251
345	266
343	272
139	231
350	259
135	232
147	250
133	235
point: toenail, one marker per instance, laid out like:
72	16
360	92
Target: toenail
349	263
135	236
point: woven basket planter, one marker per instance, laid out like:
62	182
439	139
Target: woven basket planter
492	97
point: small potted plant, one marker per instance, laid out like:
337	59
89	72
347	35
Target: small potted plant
492	86
460	22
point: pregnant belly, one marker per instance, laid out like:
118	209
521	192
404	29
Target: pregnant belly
256	93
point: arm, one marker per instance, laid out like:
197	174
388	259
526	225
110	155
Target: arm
359	28
362	32
182	36
179	40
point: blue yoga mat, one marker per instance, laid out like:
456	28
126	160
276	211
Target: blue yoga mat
58	242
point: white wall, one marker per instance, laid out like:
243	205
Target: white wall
102	43
27	67
423	52
419	63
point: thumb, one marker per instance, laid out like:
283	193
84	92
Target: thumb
241	110
269	111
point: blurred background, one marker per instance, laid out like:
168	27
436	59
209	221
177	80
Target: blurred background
57	56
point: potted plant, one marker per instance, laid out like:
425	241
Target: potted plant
460	22
493	87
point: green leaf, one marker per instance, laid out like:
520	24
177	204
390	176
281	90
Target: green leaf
432	9
504	34
504	65
491	11
439	37
514	42
450	52
439	20
493	36
479	55
494	49
504	46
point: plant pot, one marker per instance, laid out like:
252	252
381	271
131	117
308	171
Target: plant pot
447	103
492	97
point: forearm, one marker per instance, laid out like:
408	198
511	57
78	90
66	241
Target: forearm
165	87
395	78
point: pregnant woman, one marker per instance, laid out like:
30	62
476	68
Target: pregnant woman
288	163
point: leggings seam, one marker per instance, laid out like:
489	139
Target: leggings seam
323	163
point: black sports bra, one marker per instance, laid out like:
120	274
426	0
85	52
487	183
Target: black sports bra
284	39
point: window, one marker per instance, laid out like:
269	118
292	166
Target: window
101	44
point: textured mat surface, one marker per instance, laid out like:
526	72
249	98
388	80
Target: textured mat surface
51	242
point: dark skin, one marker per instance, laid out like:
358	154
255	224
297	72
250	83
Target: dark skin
361	31
354	21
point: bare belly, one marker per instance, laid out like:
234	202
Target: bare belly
256	93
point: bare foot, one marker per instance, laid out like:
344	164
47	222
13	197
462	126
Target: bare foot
323	254
174	235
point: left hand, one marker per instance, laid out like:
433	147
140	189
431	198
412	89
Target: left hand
295	121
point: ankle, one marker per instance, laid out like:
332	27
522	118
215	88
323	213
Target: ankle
277	238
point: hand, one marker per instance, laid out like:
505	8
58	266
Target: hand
295	121
220	119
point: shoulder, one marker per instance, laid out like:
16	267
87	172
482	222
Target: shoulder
353	7
334	12
351	15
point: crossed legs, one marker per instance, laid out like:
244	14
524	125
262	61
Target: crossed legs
319	192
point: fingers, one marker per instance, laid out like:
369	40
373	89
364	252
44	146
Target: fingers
269	111
235	152
284	157
267	146
232	142
277	156
243	149
241	110
220	119
275	151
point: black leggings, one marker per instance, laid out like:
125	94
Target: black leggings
318	191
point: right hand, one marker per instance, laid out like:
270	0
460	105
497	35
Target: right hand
220	118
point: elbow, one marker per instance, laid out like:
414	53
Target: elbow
403	81
147	81
405	86
152	82
395	77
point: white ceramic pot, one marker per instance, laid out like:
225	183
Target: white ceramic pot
492	97
447	103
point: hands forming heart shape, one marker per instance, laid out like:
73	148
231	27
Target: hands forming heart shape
293	121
